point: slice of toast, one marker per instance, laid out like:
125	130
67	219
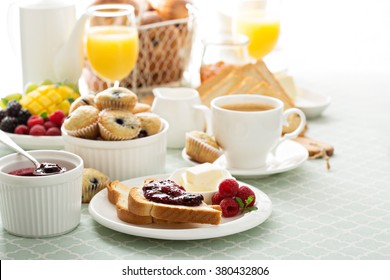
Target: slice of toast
133	208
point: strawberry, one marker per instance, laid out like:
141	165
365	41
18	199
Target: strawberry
34	120
228	188
57	117
230	207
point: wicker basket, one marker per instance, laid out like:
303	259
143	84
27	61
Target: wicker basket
165	51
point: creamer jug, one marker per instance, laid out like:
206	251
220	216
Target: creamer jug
50	40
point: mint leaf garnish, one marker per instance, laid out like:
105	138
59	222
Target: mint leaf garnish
240	202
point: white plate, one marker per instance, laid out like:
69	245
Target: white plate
105	214
289	155
312	104
29	142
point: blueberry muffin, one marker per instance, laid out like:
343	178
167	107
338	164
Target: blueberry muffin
93	182
83	122
116	98
150	124
82	101
140	107
202	147
117	124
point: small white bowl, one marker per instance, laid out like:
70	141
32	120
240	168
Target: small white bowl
312	104
41	206
121	160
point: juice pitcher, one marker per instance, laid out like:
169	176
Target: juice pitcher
51	39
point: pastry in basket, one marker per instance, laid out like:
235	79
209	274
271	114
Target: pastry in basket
138	205
202	147
118	125
93	182
83	122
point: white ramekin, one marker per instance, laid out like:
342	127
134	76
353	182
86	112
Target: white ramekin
41	206
121	160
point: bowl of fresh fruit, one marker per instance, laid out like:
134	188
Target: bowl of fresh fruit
33	120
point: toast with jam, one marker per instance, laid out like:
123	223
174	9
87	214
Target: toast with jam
160	201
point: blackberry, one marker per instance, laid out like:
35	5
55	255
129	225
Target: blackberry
23	116
13	108
3	114
8	124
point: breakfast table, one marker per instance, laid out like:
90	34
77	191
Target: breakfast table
317	213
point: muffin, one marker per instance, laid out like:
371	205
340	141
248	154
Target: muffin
83	122
140	107
117	124
93	182
202	147
150	123
116	98
82	101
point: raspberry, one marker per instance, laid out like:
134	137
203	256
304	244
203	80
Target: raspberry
229	207
53	131
49	124
228	187
21	129
57	117
244	192
37	130
34	120
216	198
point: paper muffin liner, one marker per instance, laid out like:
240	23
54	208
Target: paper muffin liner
201	151
115	104
88	193
109	136
89	132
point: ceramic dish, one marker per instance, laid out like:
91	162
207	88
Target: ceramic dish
105	214
29	142
312	104
289	155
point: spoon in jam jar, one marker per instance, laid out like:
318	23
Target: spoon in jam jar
41	169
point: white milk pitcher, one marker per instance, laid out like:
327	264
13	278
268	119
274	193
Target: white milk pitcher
51	39
182	108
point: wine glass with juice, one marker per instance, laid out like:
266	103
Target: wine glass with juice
259	20
111	41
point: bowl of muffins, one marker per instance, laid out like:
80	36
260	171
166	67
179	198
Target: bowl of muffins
112	132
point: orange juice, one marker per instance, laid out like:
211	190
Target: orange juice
263	32
112	51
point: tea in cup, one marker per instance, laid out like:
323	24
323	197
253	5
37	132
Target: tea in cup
182	108
249	128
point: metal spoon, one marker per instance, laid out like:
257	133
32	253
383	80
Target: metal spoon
41	169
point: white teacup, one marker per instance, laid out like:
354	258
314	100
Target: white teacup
249	127
182	108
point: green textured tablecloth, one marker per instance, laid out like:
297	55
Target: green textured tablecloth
343	213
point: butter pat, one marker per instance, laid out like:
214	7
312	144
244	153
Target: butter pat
204	177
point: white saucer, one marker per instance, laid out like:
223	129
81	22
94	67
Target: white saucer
289	155
312	104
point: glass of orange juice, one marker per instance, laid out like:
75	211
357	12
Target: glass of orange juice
111	41
259	20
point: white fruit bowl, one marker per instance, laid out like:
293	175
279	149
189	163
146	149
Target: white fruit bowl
29	142
121	160
41	206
